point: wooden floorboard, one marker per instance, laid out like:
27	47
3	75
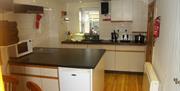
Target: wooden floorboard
123	82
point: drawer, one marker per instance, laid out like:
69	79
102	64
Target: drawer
109	47
81	46
50	72
95	46
130	48
67	45
106	47
32	70
17	69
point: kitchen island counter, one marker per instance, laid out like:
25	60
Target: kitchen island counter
60	57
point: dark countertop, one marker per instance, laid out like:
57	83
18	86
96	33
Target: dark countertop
109	42
58	57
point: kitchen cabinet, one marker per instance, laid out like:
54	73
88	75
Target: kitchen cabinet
106	47
95	46
29	9
46	78
109	58
6	5
130	58
121	10
80	46
67	45
23	80
50	84
130	61
119	57
28	2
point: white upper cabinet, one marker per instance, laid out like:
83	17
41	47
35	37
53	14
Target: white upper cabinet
30	2
121	10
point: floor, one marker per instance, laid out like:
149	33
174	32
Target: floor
123	82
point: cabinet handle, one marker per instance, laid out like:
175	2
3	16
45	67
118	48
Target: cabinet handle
176	81
73	75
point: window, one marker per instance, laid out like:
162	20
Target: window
89	20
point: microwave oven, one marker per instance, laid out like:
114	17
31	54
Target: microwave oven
20	49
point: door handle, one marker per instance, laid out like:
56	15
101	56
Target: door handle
177	81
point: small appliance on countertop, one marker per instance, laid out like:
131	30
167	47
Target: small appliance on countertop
125	37
114	36
20	49
139	38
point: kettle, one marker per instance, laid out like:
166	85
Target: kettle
139	38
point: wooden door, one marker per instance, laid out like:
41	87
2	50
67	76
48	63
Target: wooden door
150	37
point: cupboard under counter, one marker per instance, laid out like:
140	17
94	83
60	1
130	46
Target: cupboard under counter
45	73
125	57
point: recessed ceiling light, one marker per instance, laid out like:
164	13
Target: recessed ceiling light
80	1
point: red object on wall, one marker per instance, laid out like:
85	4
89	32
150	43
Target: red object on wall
156	27
38	18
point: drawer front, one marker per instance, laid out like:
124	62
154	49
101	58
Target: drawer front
106	47
67	45
49	72
32	71
95	46
17	69
109	47
130	48
81	46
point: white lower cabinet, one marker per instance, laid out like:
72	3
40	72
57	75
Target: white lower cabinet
50	84
118	57
45	78
44	83
109	58
130	61
24	79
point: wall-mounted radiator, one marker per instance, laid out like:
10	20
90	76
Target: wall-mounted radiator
150	80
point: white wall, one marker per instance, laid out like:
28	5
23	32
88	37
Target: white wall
52	27
73	14
139	21
106	27
166	55
51	32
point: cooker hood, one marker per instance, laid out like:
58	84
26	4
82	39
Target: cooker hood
29	9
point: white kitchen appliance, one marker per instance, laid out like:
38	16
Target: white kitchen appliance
20	49
72	79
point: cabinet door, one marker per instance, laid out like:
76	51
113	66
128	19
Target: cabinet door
95	46
116	10
121	10
127	10
24	79
6	5
80	46
67	45
28	2
130	61
50	84
109	58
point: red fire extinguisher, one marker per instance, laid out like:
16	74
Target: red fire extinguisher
37	23
156	27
